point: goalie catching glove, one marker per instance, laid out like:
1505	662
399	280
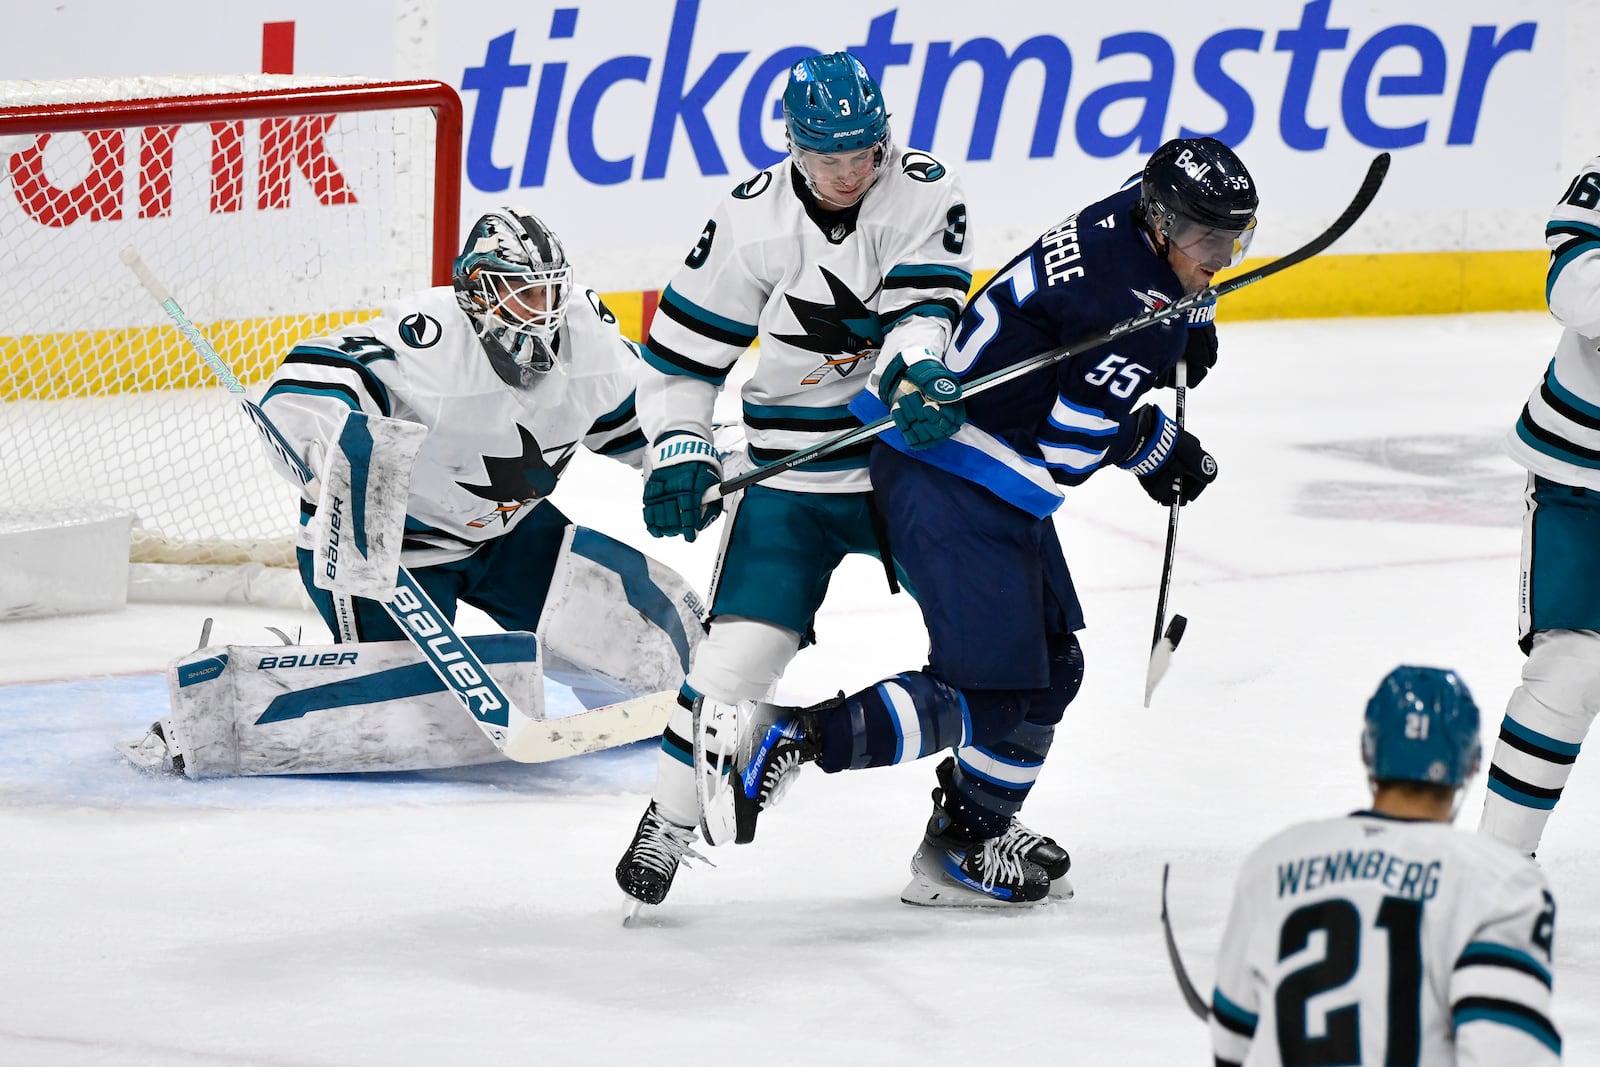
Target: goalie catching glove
1168	459
923	396
684	467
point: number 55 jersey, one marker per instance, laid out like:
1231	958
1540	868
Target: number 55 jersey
1374	940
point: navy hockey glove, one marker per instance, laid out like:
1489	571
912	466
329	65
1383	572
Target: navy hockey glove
924	398
1170	463
1198	358
683	467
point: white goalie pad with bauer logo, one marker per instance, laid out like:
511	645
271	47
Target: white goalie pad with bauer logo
361	509
321	709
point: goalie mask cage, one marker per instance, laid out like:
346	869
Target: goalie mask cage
275	207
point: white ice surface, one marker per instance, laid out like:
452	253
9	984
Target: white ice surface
1364	517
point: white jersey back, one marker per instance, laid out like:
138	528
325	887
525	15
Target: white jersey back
493	451
1558	434
1373	940
825	293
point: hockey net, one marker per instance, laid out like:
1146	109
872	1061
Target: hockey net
274	207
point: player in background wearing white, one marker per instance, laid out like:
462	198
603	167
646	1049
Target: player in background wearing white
511	369
1558	440
849	261
1387	936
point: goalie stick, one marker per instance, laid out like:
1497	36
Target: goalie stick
1191	996
1353	211
516	734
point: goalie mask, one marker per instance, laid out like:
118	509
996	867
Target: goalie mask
513	281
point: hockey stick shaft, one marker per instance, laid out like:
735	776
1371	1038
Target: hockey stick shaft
1164	642
1353	211
1191	996
413	610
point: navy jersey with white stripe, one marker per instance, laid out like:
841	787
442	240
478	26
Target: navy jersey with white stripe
1558	434
1058	426
1369	939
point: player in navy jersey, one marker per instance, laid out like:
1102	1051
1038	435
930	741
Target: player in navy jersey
969	519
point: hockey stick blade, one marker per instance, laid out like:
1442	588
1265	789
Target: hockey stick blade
639	719
1191	996
1318	244
1161	655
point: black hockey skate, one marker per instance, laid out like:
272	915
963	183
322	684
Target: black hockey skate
1035	847
953	869
646	869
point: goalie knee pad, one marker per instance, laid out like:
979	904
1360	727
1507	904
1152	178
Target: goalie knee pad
1546	721
616	624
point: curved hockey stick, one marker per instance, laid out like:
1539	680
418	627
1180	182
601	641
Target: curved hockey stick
515	733
1191	996
1363	199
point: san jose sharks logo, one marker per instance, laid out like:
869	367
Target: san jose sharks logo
844	332
516	482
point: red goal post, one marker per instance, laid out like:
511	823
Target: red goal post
275	207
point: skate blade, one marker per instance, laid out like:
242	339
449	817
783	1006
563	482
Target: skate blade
631	909
936	891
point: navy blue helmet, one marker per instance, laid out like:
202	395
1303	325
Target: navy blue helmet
1421	726
1198	195
513	281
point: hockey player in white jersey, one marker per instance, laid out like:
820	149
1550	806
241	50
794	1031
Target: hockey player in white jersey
510	370
1387	936
849	262
1557	439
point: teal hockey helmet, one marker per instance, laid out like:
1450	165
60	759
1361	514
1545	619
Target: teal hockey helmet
831	104
1422	726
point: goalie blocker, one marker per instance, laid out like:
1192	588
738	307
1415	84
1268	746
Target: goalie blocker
617	626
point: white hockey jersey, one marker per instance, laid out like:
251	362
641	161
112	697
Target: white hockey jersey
1373	940
1558	434
825	292
493	452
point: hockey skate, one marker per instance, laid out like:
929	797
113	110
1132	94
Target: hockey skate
646	869
154	752
956	869
773	746
1035	847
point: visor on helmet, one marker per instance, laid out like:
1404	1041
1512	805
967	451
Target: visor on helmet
1213	247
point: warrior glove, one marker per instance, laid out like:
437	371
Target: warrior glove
1169	461
924	398
1198	357
684	467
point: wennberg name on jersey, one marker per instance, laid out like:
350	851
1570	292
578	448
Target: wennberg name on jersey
1370	939
825	293
493	452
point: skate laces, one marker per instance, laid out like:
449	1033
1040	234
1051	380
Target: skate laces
662	845
1001	860
1020	837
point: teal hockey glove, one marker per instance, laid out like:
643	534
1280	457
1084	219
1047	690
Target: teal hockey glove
683	467
924	398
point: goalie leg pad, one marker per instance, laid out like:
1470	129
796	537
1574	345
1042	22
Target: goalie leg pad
329	709
616	624
1545	724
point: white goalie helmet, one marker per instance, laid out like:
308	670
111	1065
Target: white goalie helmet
513	281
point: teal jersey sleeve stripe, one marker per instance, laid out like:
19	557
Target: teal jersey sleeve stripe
672	300
1568	397
1232	1016
785	411
655	355
332	389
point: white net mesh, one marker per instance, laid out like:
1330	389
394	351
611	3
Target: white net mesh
268	223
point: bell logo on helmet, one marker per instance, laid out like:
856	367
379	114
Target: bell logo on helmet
1195	168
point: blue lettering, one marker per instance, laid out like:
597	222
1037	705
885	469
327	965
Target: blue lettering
586	159
1428	81
1303	46
689	107
990	57
541	128
879	53
1483	52
1239	111
490	82
776	66
1289	878
1146	133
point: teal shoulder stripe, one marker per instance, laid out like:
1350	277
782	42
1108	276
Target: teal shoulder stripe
1478	952
1572	399
781	411
334	390
1232	1015
672	297
931	309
